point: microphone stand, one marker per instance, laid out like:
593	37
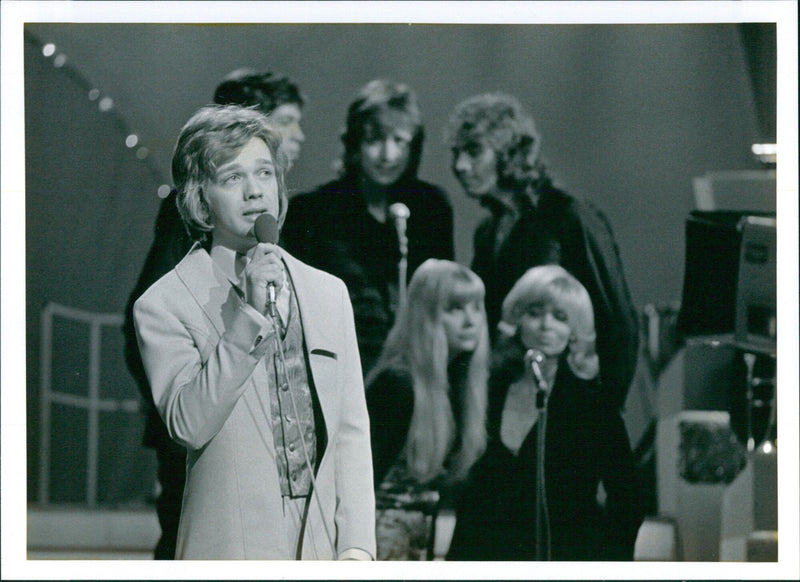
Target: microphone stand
402	272
542	519
400	213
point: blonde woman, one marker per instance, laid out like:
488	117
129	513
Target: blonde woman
427	399
548	315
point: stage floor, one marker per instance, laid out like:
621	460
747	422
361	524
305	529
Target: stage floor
65	533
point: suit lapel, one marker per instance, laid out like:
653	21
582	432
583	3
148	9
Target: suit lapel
312	305
196	270
322	337
218	301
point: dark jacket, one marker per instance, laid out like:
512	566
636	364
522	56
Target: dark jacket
171	242
331	229
572	233
390	403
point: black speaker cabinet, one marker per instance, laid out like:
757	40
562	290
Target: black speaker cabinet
714	252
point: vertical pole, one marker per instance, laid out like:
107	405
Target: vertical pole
94	414
402	268
542	519
45	403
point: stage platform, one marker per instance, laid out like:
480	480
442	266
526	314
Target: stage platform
65	533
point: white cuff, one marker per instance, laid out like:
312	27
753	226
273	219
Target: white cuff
355	554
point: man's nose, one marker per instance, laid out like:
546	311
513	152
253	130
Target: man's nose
251	188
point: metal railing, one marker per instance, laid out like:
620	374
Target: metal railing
92	402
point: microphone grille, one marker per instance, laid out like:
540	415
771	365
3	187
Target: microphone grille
399	210
266	229
534	355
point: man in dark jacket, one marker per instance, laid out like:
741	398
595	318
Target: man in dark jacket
346	226
497	159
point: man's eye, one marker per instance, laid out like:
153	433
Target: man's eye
230	179
560	315
267	172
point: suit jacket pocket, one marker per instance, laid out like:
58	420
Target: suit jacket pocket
325	378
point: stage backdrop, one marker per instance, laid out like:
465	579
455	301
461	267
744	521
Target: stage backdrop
629	115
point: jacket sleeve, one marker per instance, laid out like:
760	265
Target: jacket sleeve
616	317
624	502
195	383
445	231
355	496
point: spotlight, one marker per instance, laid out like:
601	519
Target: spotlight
766	153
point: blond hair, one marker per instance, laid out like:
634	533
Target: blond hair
554	284
417	343
212	136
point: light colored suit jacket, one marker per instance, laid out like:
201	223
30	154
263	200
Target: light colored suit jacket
204	350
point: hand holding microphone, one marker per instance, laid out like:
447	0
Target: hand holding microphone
264	272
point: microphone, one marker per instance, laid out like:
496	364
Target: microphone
534	359
400	213
398	210
266	230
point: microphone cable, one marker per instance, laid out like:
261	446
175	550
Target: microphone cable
303	444
266	230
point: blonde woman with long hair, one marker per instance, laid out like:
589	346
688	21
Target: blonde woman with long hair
427	400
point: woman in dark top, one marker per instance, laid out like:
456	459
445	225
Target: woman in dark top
591	499
427	404
345	226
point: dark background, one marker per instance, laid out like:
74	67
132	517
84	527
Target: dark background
629	115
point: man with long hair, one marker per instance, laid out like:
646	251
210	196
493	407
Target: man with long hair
345	226
281	99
